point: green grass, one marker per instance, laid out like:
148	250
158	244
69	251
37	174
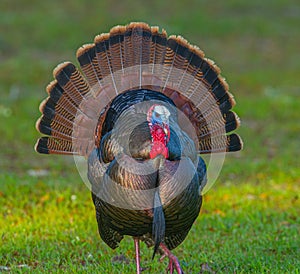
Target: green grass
250	219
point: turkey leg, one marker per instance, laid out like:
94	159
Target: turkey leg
137	255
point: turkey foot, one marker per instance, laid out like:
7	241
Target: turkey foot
173	261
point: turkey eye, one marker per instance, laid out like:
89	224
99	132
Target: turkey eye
157	115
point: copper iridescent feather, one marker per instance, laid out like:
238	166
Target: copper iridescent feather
130	68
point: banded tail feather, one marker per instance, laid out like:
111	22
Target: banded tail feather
128	58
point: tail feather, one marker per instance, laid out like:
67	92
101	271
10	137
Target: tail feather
146	45
58	101
179	59
158	49
131	57
60	110
86	56
54	128
232	121
221	143
235	142
104	60
49	145
55	117
216	127
137	42
128	48
116	45
72	82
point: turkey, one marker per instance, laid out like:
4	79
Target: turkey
142	109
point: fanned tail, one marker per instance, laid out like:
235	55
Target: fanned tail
134	57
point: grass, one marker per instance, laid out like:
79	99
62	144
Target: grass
250	219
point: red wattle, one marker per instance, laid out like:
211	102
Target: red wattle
160	138
157	149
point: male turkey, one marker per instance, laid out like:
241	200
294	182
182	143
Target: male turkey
148	105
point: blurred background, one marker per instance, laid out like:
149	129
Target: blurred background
250	219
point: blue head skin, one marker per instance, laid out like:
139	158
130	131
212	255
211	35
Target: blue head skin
160	115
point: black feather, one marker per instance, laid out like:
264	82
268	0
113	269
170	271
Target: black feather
159	223
42	145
